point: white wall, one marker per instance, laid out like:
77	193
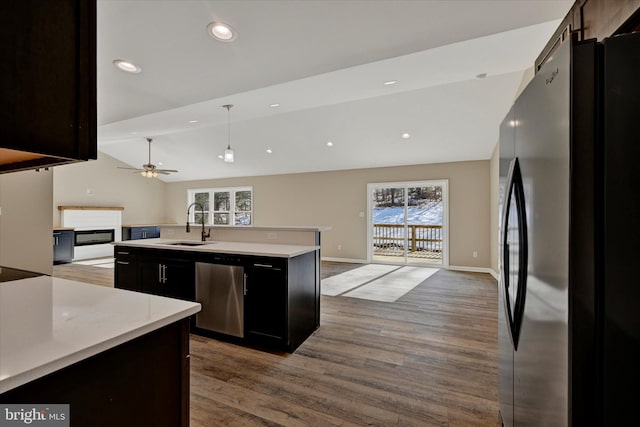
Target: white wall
322	198
26	240
101	183
336	199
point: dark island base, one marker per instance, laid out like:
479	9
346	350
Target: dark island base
144	382
280	296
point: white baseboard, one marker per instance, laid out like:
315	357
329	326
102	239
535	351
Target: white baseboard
474	270
350	260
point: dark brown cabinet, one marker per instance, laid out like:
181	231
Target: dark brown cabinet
164	275
126	269
143	382
281	300
154	272
265	301
63	246
48	83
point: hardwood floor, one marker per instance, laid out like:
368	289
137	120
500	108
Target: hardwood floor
84	273
330	268
428	359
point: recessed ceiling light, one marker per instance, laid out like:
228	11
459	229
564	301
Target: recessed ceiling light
481	75
390	82
329	144
220	156
160	163
269	150
127	66
274	105
193	121
406	136
134	133
221	31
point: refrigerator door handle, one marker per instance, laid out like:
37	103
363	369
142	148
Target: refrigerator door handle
515	310
523	244
506	260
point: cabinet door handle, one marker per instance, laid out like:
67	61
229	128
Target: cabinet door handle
123	253
123	262
159	273
263	265
244	284
164	274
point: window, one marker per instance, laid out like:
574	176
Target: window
231	206
408	222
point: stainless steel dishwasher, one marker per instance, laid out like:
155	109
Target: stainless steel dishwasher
220	290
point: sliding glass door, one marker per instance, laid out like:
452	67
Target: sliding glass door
408	222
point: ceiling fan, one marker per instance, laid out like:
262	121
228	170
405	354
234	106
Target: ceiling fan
149	170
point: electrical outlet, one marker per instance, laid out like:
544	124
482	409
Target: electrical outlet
475	254
339	247
89	191
271	236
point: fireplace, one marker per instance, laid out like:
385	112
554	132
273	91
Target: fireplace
94	237
96	228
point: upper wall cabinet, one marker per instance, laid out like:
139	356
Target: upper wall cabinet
593	19
47	83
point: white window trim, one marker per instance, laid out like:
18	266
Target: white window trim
233	190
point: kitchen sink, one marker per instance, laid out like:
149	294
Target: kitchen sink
188	243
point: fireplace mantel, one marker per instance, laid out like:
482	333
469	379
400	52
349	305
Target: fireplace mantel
91	208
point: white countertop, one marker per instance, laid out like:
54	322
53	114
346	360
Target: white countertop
48	323
236	248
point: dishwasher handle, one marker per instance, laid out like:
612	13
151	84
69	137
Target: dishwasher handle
263	265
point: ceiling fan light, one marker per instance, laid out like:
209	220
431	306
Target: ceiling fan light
149	169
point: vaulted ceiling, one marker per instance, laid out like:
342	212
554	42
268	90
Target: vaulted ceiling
457	65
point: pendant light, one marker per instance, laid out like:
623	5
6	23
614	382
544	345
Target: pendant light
228	153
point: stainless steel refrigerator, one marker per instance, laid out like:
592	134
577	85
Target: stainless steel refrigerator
569	302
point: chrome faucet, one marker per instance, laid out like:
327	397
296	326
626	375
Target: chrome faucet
188	229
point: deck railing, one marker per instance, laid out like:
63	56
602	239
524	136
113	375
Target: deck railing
425	240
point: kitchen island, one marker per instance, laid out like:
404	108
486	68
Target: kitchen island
251	293
96	349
